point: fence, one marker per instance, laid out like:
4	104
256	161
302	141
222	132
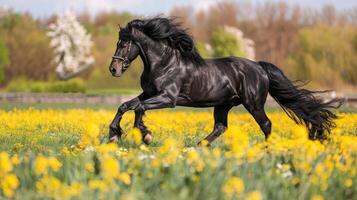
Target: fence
61	98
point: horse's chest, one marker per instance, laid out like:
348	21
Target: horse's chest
150	85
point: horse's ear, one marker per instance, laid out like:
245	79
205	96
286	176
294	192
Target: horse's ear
119	27
129	26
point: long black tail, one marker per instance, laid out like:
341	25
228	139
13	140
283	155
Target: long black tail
300	104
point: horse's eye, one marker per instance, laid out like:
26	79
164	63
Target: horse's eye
121	44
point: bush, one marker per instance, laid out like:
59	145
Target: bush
226	44
70	86
74	85
18	85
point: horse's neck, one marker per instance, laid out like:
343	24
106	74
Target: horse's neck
144	58
150	51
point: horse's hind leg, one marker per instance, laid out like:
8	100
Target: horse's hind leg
220	123
262	119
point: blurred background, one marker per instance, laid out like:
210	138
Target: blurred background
312	41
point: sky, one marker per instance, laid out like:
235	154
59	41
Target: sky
43	8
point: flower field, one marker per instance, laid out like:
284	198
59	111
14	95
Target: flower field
62	154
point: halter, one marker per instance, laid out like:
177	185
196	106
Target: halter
125	59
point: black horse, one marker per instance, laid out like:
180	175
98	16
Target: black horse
175	74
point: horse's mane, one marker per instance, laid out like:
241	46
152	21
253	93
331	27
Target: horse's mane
169	31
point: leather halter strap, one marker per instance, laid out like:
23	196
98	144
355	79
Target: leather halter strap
125	59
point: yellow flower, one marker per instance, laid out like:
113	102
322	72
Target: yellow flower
125	178
254	195
92	130
98	185
110	168
66	151
156	162
295	180
54	164
300	132
5	163
168	145
194	159
237	139
348	182
49	186
233	186
89	167
90	135
192	156
43	164
9	183
72	190
317	197
15	159
107	148
204	143
195	178
135	136
128	197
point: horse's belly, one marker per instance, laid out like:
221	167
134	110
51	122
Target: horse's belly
210	87
210	95
208	98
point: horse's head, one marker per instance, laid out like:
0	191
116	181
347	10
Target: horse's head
126	51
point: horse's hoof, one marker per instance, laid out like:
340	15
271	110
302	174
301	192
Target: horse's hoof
114	139
147	139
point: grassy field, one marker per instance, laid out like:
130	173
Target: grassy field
114	91
49	152
65	106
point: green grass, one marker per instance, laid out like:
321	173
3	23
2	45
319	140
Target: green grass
41	106
11	106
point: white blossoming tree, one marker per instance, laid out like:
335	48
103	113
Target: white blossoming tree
71	44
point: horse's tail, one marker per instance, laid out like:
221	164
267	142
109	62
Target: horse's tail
300	104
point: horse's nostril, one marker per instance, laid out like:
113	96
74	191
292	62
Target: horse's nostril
113	70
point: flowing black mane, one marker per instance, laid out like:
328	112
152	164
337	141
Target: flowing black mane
169	31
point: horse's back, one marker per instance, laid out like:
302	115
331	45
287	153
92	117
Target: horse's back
252	81
239	69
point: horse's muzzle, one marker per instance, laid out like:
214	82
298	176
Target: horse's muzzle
115	68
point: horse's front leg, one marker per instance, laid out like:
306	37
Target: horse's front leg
163	100
115	130
139	123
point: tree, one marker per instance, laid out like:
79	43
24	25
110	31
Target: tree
4	59
326	55
29	51
229	41
72	46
